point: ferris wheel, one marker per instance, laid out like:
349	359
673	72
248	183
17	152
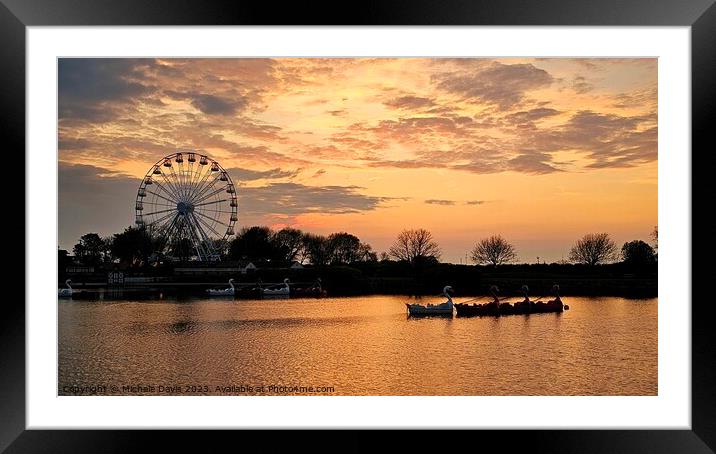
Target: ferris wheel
187	201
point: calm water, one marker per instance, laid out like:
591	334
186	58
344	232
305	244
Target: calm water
357	346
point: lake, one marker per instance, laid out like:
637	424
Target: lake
352	346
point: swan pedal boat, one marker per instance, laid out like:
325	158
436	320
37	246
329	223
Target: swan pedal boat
281	291
445	308
230	291
66	292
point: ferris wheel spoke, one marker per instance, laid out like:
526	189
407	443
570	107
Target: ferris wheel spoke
209	195
205	187
180	170
195	239
181	176
191	177
166	226
201	230
212	219
161	186
160	211
154	204
166	191
162	197
204	190
174	226
209	203
201	181
206	224
208	242
220	211
171	185
160	220
177	180
184	179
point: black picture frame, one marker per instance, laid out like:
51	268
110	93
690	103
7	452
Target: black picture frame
699	15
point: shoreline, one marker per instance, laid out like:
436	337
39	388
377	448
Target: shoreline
391	279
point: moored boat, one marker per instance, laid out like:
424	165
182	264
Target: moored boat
496	308
284	290
444	309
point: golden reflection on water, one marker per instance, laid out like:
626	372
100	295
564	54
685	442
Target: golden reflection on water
357	346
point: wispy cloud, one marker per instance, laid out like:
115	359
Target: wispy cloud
295	198
486	81
440	202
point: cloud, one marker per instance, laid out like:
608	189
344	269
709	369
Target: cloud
491	82
532	115
440	202
410	129
474	202
581	86
95	89
294	199
211	104
409	102
93	199
532	163
609	140
239	174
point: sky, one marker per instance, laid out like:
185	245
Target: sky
540	151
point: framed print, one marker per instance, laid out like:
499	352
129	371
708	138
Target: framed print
421	219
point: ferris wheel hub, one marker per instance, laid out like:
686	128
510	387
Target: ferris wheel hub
184	208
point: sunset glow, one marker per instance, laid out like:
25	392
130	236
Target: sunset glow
540	151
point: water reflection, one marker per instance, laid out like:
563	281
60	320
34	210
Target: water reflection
360	346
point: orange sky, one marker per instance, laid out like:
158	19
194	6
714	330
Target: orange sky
540	151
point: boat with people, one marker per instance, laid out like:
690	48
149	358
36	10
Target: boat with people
497	308
443	309
314	290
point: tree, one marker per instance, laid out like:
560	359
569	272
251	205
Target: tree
593	248
415	245
63	260
254	243
366	253
133	246
655	237
495	250
638	253
91	250
344	247
317	248
289	242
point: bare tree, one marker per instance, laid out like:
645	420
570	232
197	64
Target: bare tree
495	250
593	249
412	245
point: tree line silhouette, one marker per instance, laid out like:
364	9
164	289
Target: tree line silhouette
417	247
